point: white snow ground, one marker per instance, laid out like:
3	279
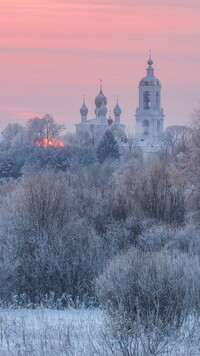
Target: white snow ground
45	332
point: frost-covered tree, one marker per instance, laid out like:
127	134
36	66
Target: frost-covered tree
54	248
40	128
159	192
59	158
108	148
14	136
12	162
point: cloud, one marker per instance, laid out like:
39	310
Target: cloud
64	52
131	3
103	3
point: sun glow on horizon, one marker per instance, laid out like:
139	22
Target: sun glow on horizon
45	142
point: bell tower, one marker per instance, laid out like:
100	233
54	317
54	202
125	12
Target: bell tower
149	114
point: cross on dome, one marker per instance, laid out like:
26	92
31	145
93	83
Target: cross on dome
150	62
101	84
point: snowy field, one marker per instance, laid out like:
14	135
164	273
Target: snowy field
45	332
49	332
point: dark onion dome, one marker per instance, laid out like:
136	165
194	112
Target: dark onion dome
150	62
84	110
110	121
100	98
117	110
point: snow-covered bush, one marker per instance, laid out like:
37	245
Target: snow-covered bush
45	245
155	290
155	238
186	240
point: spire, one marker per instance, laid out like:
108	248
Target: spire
150	62
101	81
150	70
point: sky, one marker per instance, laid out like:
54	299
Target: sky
52	52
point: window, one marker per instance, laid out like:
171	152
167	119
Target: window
157	101
147	100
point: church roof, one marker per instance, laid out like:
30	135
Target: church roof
84	109
100	98
117	110
150	79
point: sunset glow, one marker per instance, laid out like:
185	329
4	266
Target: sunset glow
45	142
54	51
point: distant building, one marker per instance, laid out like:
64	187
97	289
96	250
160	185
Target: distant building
95	128
149	114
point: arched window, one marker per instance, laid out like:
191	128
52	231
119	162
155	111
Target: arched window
157	101
147	100
145	126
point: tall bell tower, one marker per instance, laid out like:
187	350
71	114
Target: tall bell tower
149	114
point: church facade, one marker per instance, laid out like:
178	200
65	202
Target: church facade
149	114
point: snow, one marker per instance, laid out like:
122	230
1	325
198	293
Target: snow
82	332
48	332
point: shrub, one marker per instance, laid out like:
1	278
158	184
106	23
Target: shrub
155	238
159	289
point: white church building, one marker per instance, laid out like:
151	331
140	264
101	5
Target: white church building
149	114
94	129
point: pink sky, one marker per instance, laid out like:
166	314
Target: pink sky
54	51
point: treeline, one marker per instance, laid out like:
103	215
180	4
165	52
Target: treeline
22	148
38	145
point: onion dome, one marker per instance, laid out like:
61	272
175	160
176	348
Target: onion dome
83	109
117	110
150	62
103	109
100	98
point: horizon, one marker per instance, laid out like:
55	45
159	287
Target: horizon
51	54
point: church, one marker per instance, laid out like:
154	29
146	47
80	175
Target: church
95	128
149	114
